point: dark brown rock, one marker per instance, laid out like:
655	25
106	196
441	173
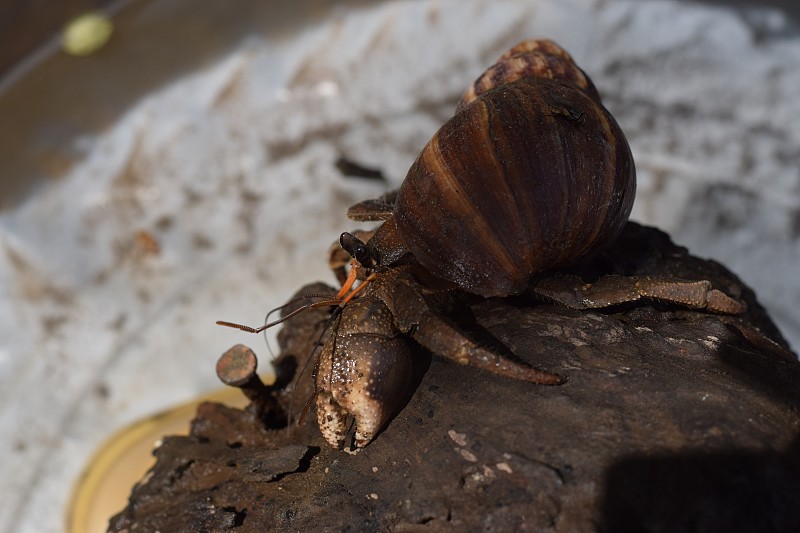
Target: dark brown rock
672	420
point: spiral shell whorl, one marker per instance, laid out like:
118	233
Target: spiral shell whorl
532	175
538	58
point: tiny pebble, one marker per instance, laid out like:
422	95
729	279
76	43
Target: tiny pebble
504	467
468	455
458	438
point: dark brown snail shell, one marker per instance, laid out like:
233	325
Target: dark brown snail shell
531	173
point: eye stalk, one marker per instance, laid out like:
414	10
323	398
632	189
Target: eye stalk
358	250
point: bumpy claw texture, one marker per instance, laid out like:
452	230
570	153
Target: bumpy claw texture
364	370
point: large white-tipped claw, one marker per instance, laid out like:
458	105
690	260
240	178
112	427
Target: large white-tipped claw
364	371
368	381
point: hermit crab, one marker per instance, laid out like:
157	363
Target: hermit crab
531	175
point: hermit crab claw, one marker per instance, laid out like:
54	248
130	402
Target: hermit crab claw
364	371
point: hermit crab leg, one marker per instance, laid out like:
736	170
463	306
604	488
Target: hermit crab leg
443	338
572	292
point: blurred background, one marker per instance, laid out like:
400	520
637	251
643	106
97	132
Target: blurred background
171	163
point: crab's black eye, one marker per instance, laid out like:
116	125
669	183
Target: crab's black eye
357	249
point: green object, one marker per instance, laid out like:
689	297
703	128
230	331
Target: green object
86	34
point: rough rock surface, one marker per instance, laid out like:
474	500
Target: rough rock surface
672	420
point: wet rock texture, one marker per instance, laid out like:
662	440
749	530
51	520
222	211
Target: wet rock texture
672	420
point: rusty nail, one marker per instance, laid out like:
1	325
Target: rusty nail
237	368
